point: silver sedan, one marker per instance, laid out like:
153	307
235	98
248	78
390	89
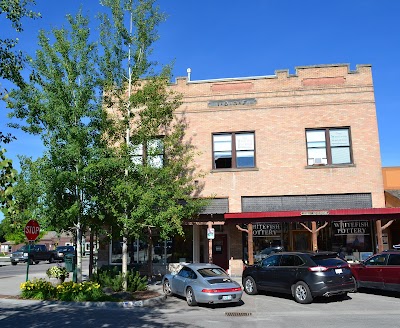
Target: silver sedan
202	283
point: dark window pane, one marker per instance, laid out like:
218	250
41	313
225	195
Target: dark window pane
377	260
212	272
394	259
327	261
223	162
271	261
287	260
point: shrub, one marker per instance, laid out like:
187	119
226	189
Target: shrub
58	272
39	289
112	277
85	291
136	282
42	289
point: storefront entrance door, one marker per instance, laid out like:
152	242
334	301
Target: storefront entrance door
220	251
301	241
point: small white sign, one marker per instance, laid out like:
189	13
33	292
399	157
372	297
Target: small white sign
210	233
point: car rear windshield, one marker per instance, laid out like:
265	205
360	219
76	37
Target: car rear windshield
212	272
220	281
327	261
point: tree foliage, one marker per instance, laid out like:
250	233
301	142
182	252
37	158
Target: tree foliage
12	60
94	113
144	195
61	102
7	177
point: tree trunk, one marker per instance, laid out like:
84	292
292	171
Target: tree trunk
91	257
124	262
150	255
78	253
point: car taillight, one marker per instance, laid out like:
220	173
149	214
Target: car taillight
222	290
318	269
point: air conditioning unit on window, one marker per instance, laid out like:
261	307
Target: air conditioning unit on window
318	161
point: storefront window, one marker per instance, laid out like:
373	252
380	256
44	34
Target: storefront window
268	238
137	251
176	249
350	239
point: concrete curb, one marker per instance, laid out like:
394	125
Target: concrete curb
126	304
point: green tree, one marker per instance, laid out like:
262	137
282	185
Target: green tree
61	103
153	185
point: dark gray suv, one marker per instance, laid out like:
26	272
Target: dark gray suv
304	275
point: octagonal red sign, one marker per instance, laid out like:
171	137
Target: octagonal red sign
32	230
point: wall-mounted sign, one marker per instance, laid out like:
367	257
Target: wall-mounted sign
232	102
210	233
351	228
266	229
314	213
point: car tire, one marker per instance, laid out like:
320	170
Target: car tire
190	298
302	293
14	263
249	286
51	259
36	262
167	288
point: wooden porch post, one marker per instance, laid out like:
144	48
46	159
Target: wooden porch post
314	231
249	232
379	230
314	236
250	243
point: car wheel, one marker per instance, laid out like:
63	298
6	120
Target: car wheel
13	263
167	288
51	259
190	298
36	262
302	293
250	286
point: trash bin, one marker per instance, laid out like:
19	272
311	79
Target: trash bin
69	262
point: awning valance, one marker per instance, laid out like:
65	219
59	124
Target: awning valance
391	213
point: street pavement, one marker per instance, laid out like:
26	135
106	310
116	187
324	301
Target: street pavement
359	310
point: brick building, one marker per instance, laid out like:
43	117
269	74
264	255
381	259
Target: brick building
292	160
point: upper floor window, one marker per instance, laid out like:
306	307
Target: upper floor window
151	153
233	150
329	146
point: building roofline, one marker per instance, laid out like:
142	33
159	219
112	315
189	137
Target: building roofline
260	77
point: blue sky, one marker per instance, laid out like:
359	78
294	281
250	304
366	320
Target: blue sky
221	38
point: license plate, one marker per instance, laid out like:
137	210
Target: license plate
338	271
226	297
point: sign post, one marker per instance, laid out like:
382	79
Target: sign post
210	237
31	230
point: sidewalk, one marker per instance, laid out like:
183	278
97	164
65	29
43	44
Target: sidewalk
10	285
10	289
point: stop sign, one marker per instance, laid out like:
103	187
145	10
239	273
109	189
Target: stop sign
32	230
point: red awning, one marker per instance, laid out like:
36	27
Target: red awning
387	213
